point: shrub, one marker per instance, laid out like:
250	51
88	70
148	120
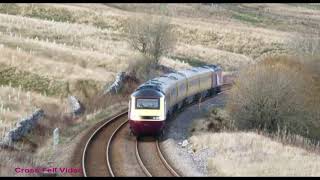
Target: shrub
274	95
192	61
140	67
151	36
216	120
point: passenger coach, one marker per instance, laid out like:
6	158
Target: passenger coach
157	99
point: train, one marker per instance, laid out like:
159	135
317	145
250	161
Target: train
153	102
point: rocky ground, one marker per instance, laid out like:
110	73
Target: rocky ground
175	146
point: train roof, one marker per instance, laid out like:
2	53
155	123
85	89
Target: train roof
147	92
164	82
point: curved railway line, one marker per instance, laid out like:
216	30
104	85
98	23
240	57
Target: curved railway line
112	151
153	165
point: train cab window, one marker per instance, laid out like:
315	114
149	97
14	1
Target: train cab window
148	103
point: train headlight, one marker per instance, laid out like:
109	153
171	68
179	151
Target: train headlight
155	117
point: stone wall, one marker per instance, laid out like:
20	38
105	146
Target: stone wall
76	107
23	127
122	78
116	85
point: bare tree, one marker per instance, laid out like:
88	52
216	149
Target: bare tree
151	36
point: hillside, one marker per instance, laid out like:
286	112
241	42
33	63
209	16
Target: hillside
251	154
50	51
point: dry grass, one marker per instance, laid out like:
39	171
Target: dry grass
50	37
234	37
36	150
270	16
281	153
16	104
13	160
84	45
109	45
250	154
46	67
225	35
229	60
86	58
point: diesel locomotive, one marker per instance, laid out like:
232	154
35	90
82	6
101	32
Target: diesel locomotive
154	101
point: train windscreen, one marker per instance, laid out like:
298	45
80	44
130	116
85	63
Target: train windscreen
148	104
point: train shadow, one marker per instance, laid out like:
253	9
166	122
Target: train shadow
178	112
147	138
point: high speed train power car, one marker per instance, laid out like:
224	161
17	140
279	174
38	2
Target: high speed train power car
155	100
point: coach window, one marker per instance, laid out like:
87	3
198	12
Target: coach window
174	93
182	88
195	82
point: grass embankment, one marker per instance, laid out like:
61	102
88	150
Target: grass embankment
270	125
52	50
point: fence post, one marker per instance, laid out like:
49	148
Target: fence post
55	137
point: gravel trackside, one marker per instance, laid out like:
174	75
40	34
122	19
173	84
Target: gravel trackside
180	154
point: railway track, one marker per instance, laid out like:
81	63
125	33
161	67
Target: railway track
112	151
94	161
101	156
153	165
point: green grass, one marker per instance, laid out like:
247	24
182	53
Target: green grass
248	17
261	19
56	14
312	6
274	48
31	82
73	131
35	11
192	61
87	88
9	8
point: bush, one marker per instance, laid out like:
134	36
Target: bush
192	61
274	95
140	67
215	120
151	36
219	120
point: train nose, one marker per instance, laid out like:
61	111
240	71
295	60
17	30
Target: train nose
146	127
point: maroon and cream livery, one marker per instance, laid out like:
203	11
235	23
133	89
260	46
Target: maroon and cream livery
155	100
